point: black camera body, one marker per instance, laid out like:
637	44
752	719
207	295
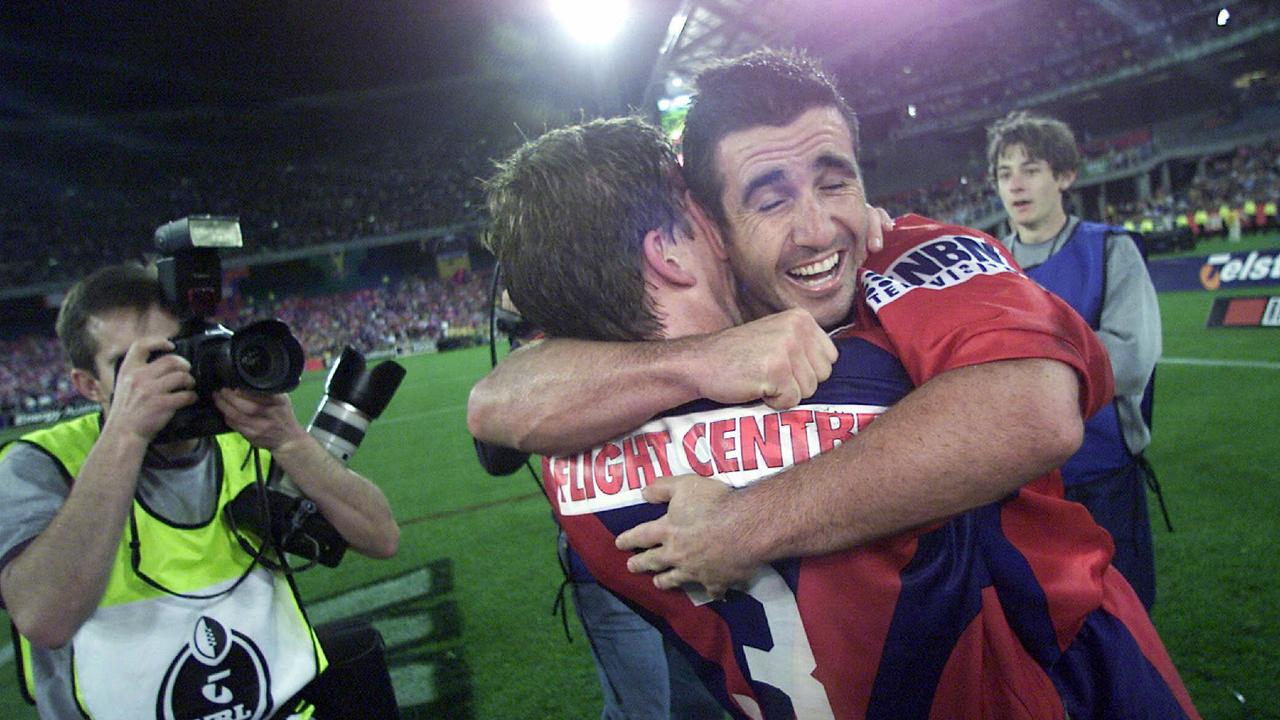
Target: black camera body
264	356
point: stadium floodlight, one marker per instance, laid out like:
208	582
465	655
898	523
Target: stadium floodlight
911	110
1223	16
591	22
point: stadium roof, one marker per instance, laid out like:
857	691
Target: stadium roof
97	71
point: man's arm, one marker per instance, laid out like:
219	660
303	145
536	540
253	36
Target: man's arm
57	581
1130	322
563	395
966	438
355	507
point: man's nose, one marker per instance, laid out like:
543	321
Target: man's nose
814	227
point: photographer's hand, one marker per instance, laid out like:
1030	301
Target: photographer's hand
266	421
147	394
355	507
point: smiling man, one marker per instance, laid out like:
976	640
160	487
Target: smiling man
763	168
1002	382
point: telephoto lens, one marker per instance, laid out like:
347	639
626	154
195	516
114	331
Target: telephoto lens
353	398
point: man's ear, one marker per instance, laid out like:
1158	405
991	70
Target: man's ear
664	259
87	385
1065	179
704	227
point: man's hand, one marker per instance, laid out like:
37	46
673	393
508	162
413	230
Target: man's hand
780	359
266	421
687	545
355	507
147	394
878	223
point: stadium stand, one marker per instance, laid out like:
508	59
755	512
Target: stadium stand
1232	184
418	310
285	201
952	83
416	313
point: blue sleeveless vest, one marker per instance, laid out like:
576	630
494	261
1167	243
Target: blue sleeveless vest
1077	273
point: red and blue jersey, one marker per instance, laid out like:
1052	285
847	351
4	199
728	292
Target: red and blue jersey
1008	611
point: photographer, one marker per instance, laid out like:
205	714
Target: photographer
132	593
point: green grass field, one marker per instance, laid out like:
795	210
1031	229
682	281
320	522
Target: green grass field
485	643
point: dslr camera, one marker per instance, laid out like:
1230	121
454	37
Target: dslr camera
264	356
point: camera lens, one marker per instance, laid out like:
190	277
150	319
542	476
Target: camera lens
266	357
261	363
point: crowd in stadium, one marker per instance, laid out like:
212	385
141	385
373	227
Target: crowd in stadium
413	312
1234	187
393	185
390	316
1089	42
1241	185
1237	184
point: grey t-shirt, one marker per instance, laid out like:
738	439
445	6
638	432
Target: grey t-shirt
181	490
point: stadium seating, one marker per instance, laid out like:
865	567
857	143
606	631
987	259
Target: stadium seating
415	313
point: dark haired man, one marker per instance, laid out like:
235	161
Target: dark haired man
769	148
1100	270
945	621
131	594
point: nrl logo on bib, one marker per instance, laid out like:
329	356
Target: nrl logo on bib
937	264
218	675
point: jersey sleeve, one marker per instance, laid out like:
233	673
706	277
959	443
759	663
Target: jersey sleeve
948	297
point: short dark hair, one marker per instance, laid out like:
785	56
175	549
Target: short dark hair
764	87
1043	137
114	287
569	212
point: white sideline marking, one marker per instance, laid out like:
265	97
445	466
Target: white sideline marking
371	597
398	632
1205	362
415	684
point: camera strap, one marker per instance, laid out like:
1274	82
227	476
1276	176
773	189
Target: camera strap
274	537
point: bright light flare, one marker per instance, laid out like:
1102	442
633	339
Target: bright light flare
591	22
1223	16
675	103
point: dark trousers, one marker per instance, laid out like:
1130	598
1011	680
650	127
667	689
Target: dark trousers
357	684
1119	505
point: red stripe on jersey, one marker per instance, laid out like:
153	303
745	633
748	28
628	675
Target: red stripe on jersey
1007	683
